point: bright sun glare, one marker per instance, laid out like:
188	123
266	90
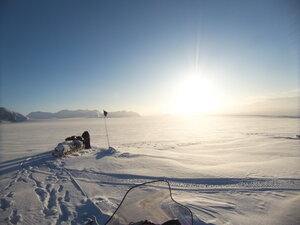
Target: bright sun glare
195	96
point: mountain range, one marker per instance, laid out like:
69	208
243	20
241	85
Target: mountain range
11	116
64	114
79	114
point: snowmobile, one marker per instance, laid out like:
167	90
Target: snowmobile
151	203
67	147
72	144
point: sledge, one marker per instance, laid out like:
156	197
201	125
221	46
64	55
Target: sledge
67	147
72	144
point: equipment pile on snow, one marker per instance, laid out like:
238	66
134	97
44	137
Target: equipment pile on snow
72	144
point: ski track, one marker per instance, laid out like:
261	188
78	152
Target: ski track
56	200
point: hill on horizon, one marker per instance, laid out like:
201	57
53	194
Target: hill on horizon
11	116
78	114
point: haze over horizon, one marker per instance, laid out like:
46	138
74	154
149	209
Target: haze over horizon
152	57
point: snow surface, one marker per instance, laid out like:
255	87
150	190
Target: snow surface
227	170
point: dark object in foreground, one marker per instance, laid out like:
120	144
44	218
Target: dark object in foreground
146	222
72	144
151	203
172	222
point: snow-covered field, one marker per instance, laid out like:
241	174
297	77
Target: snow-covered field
227	170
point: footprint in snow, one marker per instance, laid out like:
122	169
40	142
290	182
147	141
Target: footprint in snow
36	181
22	179
48	187
67	196
10	194
51	178
42	194
4	204
50	212
61	187
65	213
51	208
14	217
52	202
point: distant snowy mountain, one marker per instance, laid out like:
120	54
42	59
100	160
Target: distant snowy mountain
64	114
9	115
123	114
40	115
78	114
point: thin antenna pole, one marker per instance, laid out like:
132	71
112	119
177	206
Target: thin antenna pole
106	132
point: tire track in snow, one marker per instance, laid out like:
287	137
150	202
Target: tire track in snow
216	184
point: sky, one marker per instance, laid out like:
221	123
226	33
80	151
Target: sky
147	56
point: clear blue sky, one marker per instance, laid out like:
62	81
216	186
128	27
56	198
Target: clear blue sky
132	54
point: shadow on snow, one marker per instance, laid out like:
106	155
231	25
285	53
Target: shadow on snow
26	161
106	152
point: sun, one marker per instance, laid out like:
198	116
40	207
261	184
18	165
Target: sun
195	96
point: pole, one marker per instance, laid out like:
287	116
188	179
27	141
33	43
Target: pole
106	132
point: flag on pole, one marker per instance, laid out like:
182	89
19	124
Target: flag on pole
105	113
